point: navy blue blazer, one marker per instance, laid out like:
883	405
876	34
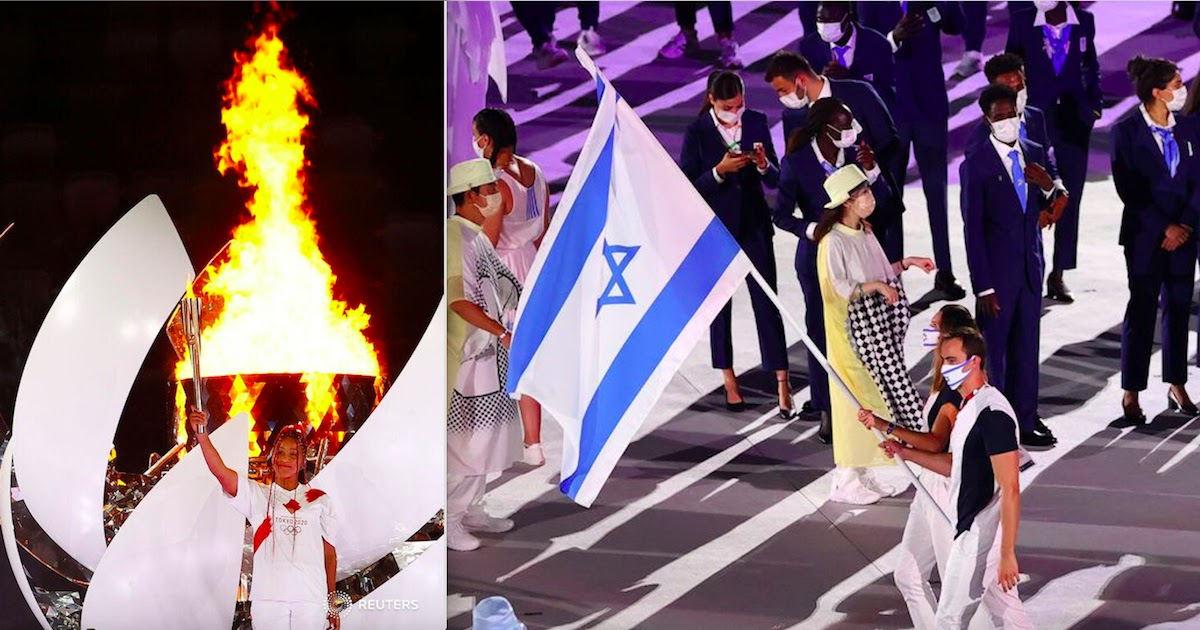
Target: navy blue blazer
879	130
1153	199
1035	130
872	61
802	188
1004	244
920	81
739	201
1078	87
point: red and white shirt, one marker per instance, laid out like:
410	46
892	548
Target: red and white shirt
289	526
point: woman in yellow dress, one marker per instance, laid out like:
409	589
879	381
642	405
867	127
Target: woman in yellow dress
851	265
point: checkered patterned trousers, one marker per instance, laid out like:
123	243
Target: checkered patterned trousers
877	332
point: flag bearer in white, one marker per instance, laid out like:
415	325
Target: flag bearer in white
483	428
295	561
984	470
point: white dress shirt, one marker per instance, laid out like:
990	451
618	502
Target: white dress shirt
1153	125
731	136
851	46
1004	151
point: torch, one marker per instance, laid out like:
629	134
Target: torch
189	310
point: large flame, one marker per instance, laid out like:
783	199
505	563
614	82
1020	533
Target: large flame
279	312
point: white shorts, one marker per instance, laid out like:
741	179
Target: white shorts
273	615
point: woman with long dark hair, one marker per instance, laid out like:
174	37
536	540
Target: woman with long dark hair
828	139
525	204
295	561
728	154
1154	169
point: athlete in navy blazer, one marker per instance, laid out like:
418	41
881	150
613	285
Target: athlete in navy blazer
1071	99
868	52
1160	214
1008	69
738	199
1004	253
799	206
922	109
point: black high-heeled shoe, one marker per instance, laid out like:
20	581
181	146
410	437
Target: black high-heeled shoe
1133	413
825	432
1174	405
789	412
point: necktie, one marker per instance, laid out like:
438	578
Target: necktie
829	168
841	51
1024	134
1170	148
1058	45
903	8
1018	177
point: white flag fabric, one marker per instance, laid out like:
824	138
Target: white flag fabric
633	268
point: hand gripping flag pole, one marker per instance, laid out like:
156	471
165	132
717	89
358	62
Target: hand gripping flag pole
841	385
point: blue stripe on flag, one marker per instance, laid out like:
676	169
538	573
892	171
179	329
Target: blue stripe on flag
648	343
564	262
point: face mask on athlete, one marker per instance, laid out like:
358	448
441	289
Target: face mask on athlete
478	149
1022	100
795	100
1007	130
1178	99
845	138
956	374
830	31
730	118
1045	5
491	205
930	337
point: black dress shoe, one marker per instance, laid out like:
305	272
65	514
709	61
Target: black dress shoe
948	286
1030	438
1040	427
1057	290
807	407
825	432
735	406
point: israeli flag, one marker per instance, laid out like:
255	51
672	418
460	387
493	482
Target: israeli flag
632	269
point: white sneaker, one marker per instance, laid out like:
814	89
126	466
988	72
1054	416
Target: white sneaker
971	63
484	522
683	43
534	455
591	43
458	538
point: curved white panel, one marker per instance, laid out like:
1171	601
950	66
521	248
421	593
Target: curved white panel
413	598
10	538
390	478
81	368
175	563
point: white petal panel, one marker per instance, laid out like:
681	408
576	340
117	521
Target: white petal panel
175	563
390	479
81	368
414	598
10	538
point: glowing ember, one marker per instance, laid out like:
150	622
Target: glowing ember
278	314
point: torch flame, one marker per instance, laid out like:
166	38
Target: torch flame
279	312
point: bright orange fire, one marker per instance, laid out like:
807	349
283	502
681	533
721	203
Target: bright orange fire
280	314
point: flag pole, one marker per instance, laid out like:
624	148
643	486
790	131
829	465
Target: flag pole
841	385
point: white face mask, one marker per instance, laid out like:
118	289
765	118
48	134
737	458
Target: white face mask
794	100
864	205
845	138
929	337
956	374
492	205
1178	99
830	31
730	118
1007	130
1045	5
478	149
1022	100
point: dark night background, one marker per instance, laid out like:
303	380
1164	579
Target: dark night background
103	104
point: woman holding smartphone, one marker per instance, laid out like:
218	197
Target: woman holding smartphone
728	155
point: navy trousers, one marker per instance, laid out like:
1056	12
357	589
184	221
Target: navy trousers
974	24
928	141
1012	339
1172	284
814	321
720	12
771	341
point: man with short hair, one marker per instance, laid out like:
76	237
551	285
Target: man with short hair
845	49
985	488
1005	191
484	433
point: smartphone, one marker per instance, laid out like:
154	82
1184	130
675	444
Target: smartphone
934	15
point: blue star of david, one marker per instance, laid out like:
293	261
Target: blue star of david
617	291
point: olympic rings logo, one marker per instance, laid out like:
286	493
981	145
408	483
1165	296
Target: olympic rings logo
291	529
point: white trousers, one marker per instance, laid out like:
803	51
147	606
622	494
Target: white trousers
464	495
972	571
272	615
927	542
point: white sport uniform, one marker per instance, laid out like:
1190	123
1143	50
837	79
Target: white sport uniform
289	588
986	426
926	544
